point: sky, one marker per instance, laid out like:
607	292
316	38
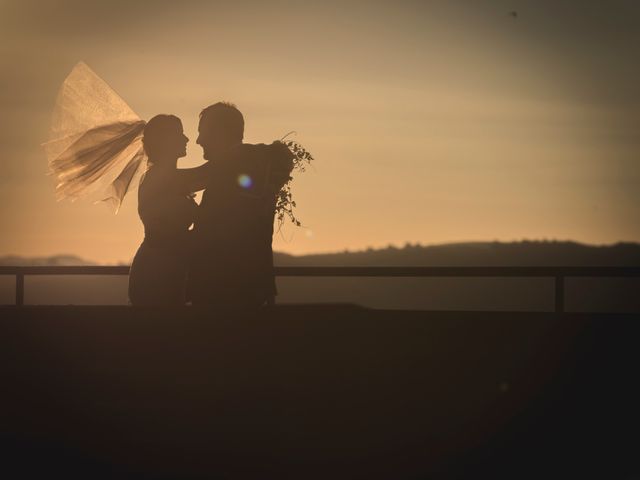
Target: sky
430	121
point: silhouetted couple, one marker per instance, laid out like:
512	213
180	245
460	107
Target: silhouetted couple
226	260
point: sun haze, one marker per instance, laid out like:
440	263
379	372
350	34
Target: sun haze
429	122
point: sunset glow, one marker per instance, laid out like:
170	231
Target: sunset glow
430	122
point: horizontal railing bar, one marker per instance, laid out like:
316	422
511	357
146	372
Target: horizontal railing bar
66	270
559	273
360	271
459	271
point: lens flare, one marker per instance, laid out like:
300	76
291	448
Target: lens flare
245	181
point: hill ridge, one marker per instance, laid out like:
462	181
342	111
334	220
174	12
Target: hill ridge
489	253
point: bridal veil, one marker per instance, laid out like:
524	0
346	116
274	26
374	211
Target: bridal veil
95	141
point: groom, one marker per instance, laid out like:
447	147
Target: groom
232	261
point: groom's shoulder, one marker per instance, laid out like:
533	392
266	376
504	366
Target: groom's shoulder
251	149
276	152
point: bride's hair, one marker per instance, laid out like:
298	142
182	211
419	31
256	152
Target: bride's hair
158	134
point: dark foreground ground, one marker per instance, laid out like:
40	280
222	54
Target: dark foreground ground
317	392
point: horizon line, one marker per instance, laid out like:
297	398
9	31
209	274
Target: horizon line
390	246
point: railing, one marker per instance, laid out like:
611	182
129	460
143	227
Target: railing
557	273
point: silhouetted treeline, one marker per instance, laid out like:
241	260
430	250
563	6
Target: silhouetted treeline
54	260
525	253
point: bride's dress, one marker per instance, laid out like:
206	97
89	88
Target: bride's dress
159	270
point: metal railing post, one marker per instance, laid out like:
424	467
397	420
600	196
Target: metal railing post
19	289
559	294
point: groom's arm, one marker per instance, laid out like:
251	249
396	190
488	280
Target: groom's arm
268	168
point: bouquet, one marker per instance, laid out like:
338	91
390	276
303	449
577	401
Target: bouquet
285	204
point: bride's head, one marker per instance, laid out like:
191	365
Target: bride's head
164	139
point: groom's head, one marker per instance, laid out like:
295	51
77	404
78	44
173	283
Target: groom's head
221	126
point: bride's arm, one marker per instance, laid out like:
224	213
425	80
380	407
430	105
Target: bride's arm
190	180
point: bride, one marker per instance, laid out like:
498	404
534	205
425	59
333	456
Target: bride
98	145
158	274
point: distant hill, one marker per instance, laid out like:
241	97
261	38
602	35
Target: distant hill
525	253
15	260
